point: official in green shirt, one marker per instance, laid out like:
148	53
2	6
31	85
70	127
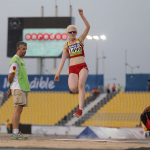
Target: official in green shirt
19	87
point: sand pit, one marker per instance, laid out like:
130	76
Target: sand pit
71	144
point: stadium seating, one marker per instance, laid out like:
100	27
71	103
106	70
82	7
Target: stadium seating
45	108
123	110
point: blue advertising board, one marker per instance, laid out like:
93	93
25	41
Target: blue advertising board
47	83
137	82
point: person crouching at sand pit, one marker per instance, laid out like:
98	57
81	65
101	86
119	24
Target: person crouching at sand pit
145	117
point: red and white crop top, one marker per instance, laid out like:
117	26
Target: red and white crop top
76	49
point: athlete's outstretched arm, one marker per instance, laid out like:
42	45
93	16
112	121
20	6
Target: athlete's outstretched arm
87	28
63	59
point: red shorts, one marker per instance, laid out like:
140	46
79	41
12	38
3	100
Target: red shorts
77	68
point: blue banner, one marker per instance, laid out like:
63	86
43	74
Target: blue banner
47	83
137	82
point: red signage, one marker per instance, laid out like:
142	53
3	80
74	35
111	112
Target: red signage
46	36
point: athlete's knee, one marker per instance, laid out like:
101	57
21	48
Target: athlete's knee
73	89
81	86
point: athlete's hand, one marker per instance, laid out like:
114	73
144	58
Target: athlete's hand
80	11
9	92
56	78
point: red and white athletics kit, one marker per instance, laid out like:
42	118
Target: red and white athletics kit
76	50
77	68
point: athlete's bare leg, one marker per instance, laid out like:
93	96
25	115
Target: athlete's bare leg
73	82
83	74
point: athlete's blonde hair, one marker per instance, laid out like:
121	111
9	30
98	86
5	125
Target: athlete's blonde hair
71	26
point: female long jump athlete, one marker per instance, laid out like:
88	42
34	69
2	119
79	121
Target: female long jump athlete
78	70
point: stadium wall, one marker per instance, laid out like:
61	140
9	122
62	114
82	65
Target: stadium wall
47	83
89	132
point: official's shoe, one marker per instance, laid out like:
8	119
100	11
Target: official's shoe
78	113
18	136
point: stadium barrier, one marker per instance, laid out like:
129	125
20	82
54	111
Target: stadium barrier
24	128
111	133
83	132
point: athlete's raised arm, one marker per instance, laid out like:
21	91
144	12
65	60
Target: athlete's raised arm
87	28
63	59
